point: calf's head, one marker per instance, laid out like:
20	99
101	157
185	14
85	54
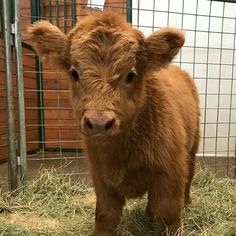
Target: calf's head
108	62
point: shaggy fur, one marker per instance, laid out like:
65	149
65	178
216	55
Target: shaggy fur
155	131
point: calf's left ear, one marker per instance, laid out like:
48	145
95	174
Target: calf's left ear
160	48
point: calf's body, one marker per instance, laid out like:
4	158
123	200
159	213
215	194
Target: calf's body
157	155
139	116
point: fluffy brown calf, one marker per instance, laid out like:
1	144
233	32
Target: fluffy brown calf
139	116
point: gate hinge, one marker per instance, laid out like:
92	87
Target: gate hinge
13	27
19	162
13	31
18	156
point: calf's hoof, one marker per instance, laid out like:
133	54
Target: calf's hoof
170	232
103	233
188	200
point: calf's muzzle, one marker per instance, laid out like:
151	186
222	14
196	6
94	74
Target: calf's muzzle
99	123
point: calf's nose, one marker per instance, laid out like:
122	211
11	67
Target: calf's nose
98	123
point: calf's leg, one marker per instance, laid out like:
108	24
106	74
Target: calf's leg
188	198
165	204
191	167
108	210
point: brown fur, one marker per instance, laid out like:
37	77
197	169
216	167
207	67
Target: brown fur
156	137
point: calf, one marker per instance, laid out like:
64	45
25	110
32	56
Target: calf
138	115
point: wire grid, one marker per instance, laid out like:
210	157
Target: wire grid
209	56
52	134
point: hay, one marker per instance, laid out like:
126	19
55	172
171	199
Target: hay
53	205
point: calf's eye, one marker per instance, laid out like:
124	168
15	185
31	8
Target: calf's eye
74	74
130	77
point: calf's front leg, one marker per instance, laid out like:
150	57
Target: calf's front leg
165	204
109	207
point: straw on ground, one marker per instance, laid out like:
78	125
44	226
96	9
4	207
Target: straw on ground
53	205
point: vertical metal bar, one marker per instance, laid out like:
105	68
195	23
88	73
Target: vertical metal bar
168	13
124	7
40	103
230	106
182	25
235	160
153	15
35	12
206	88
195	40
50	11
218	96
40	97
138	14
41	9
73	12
10	98
38	9
129	11
57	12
21	101
65	16
11	9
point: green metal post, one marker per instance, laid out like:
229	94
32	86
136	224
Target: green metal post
129	10
57	13
65	16
73	12
50	11
33	9
35	15
41	9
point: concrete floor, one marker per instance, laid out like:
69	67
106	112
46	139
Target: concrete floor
75	165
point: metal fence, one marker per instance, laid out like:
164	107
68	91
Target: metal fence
47	134
209	56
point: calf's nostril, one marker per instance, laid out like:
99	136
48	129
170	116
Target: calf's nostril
110	124
88	124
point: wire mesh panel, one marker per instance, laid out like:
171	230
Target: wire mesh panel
209	56
55	139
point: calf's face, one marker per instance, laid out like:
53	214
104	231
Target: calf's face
107	65
106	88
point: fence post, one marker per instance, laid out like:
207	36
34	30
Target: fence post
73	12
129	10
10	98
21	101
35	16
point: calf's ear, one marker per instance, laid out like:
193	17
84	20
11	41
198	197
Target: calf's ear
50	44
160	48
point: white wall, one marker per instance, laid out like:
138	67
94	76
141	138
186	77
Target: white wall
209	55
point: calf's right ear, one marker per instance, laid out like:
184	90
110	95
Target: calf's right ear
50	44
